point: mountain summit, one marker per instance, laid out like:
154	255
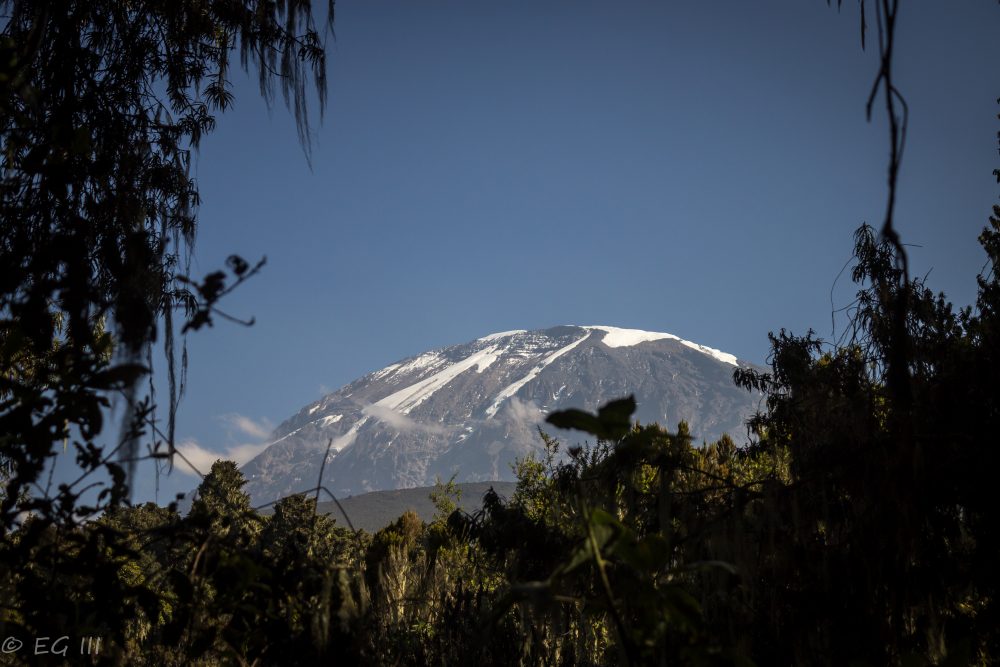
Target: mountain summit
472	409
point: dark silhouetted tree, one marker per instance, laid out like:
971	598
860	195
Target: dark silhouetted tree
101	105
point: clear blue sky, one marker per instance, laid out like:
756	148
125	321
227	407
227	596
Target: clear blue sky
686	166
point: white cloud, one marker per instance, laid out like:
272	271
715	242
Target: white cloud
258	430
240	429
524	412
202	458
401	422
194	455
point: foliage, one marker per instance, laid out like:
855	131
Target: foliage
889	520
446	497
101	104
861	509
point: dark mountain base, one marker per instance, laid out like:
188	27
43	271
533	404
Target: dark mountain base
375	510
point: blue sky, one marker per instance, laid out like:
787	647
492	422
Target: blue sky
686	166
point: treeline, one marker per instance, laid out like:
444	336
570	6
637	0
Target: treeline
860	526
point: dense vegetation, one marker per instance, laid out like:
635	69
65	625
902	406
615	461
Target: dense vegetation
855	513
858	526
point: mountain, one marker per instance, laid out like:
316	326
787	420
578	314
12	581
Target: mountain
377	509
472	409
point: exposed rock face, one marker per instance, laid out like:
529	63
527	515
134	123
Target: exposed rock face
472	409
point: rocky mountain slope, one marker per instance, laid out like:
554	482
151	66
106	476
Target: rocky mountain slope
472	409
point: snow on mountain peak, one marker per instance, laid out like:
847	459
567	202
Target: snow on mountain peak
502	334
512	388
410	397
618	337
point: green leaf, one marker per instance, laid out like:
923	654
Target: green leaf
611	422
647	555
605	528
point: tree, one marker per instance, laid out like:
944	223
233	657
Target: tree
889	485
102	104
221	502
296	532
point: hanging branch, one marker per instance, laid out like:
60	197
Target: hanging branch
894	297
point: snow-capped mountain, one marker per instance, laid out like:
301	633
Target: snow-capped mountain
472	409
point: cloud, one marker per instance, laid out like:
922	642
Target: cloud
202	458
240	429
258	430
524	412
401	422
194	455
